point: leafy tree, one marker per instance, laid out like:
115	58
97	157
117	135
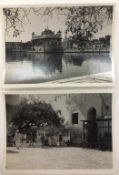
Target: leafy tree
81	21
84	22
29	116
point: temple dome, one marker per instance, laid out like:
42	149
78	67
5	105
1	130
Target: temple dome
59	31
47	31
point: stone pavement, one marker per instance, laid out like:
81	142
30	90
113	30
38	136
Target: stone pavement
105	77
58	158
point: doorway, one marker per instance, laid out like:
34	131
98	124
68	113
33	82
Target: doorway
92	128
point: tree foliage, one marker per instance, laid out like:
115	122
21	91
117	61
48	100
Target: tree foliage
81	21
85	21
17	18
34	115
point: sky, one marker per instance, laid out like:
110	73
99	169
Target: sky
16	99
54	22
38	24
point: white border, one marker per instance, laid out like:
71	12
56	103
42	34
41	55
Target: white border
115	108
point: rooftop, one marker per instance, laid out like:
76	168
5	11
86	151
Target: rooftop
47	33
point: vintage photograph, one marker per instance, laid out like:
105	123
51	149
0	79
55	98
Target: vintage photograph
58	44
59	131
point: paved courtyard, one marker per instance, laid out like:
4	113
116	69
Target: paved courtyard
58	158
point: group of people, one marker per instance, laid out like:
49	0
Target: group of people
54	140
42	140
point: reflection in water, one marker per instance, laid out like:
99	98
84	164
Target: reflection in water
49	63
40	67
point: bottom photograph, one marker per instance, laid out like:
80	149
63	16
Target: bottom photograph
59	131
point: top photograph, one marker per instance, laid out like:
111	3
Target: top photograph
58	44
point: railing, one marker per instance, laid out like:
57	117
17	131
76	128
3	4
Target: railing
101	138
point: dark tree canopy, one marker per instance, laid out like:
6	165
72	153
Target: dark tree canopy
37	114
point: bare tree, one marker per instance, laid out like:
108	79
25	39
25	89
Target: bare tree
80	21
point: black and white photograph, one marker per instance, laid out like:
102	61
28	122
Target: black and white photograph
58	44
59	131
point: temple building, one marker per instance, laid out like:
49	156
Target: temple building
48	41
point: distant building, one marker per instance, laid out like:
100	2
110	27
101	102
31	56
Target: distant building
26	46
94	45
101	44
14	46
67	43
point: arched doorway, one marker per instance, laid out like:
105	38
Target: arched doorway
91	128
91	114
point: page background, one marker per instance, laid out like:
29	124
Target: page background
115	89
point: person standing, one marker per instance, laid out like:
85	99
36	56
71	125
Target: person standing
60	139
17	139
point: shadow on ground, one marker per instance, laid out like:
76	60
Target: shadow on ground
11	151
